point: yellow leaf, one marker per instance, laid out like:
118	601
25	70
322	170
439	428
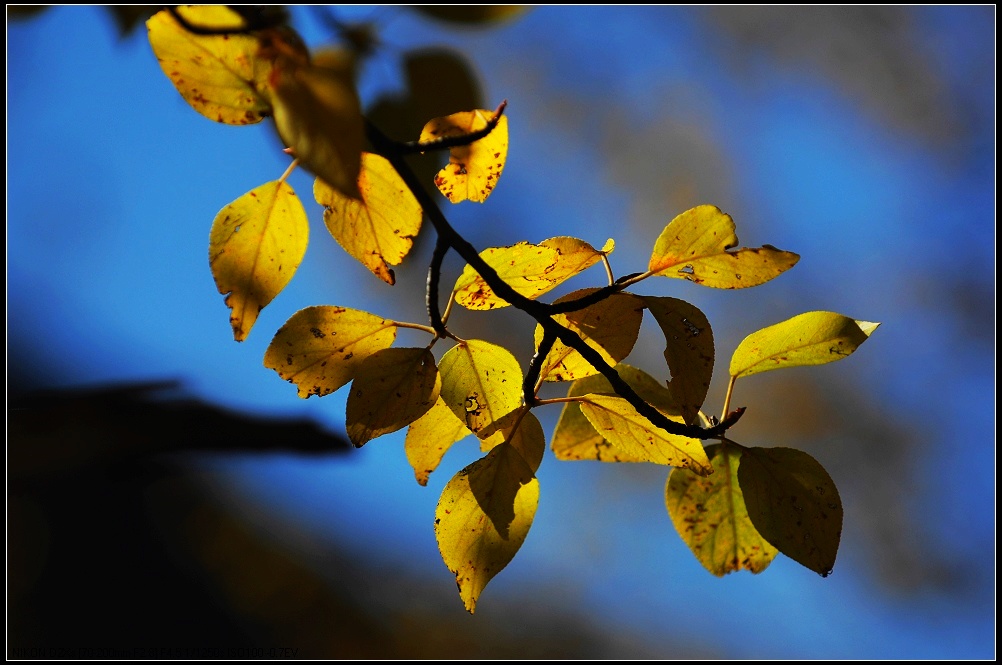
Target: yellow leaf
318	116
610	326
635	439
430	436
574	438
688	351
320	348
794	504
523	266
473	169
812	338
392	389
481	382
378	229
486	510
694	247
223	77
255	246
709	513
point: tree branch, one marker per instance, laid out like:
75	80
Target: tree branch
541	312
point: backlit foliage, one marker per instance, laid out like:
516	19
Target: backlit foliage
735	506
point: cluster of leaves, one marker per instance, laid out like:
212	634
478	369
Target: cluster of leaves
735	506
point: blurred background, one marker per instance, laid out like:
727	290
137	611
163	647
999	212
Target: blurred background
166	491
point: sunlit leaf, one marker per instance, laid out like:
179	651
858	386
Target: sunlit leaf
531	270
392	389
813	338
379	228
574	437
255	246
318	116
430	437
688	350
480	15
473	169
480	382
320	348
487	508
223	77
694	247
793	503
610	326
634	439
709	513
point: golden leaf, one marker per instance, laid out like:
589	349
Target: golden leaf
320	348
574	437
635	439
473	169
688	351
709	513
694	246
812	338
256	244
378	229
486	510
223	77
430	437
481	382
392	389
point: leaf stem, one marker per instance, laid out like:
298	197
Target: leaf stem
288	171
416	326
727	397
608	269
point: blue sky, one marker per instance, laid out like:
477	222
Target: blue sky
620	118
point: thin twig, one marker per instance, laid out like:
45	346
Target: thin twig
529	385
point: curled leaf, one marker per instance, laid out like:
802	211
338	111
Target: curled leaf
812	338
486	510
320	348
610	326
688	351
634	439
694	246
574	437
473	169
430	436
481	382
794	504
318	116
392	389
709	513
379	228
226	78
256	244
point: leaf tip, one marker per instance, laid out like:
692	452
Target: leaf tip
867	326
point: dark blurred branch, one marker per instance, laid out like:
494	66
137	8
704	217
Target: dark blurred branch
57	430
